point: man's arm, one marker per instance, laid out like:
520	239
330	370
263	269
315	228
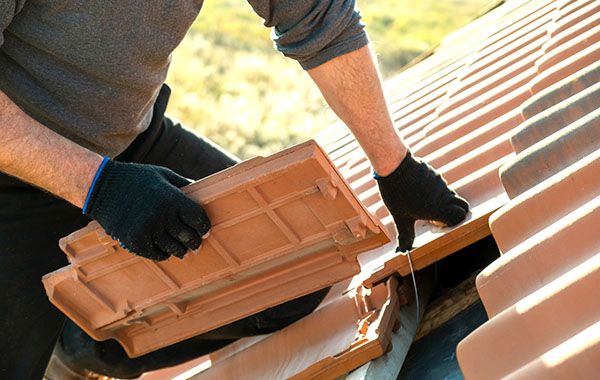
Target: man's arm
139	205
351	85
327	39
39	156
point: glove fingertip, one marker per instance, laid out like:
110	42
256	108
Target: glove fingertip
454	214
195	217
178	250
169	246
155	254
461	202
179	254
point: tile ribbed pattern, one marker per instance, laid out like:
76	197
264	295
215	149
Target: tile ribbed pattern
540	294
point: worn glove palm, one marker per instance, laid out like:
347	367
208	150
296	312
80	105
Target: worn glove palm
143	208
415	191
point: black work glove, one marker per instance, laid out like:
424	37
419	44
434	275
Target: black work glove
415	191
142	207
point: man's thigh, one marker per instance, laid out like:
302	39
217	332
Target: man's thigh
31	222
188	153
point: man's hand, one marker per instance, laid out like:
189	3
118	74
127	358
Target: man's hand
415	191
143	208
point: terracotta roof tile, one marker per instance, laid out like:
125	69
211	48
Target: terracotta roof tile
552	120
552	153
534	325
562	90
569	360
555	198
540	258
283	226
568	65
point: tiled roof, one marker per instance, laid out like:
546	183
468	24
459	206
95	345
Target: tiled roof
541	294
507	109
475	109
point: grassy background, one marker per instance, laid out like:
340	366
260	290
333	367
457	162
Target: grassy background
231	85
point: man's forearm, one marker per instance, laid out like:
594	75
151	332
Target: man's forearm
38	155
352	87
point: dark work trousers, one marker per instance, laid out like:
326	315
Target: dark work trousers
31	223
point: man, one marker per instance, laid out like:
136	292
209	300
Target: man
82	117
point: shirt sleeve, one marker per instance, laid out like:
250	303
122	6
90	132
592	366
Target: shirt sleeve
8	10
313	31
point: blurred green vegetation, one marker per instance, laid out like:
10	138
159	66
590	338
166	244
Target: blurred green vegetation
231	85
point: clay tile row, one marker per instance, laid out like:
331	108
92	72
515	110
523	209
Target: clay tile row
540	294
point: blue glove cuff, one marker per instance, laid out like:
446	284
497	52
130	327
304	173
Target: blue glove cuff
374	174
94	183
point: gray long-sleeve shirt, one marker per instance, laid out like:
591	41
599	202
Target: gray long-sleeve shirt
91	70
